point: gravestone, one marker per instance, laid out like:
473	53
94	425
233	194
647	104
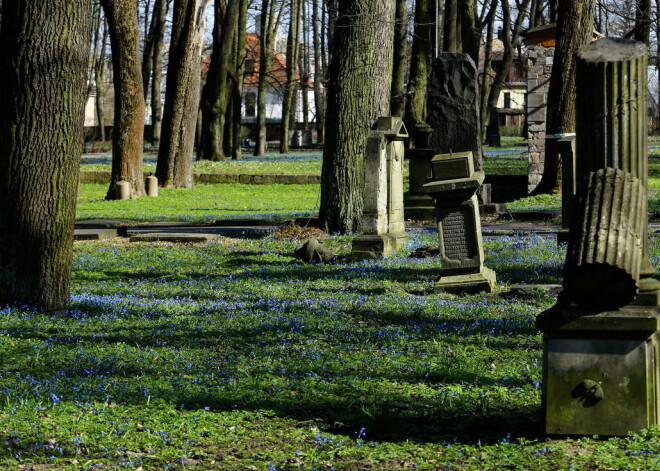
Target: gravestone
122	190
452	125
601	339
454	187
493	129
565	146
383	224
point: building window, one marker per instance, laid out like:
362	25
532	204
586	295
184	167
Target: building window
249	67
507	100
250	104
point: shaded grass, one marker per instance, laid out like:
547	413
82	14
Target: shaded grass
232	355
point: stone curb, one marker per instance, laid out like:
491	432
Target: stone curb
103	177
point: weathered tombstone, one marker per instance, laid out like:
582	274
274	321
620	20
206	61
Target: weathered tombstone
600	343
454	185
493	129
417	204
300	138
123	190
383	224
453	125
152	186
565	146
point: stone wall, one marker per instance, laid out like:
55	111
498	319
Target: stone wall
539	66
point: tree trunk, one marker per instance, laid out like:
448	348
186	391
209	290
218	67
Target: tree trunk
319	95
99	80
45	55
174	167
358	93
450	41
420	61
399	59
574	29
469	36
305	68
239	71
127	138
270	20
291	85
216	92
643	22
488	61
152	66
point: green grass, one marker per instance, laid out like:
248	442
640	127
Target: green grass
203	203
231	355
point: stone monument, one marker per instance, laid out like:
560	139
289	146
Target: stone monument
454	186
452	125
493	136
601	339
383	224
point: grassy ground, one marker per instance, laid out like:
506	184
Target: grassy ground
203	203
231	356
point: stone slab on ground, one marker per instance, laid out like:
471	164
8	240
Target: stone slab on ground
94	234
102	223
227	231
173	237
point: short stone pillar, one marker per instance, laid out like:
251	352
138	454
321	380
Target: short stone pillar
454	188
417	204
565	147
151	185
383	224
601	340
122	190
493	129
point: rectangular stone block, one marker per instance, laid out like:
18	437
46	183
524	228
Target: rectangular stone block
452	166
599	386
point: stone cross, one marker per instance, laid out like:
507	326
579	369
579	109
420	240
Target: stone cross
383	223
454	187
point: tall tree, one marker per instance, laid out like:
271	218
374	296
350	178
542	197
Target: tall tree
399	58
271	14
45	54
486	77
319	95
358	93
152	65
174	166
574	29
127	137
237	79
643	21
420	61
217	89
291	85
97	75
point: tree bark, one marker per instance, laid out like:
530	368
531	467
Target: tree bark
239	71
270	20
358	93
101	38
216	91
574	29
152	66
174	167
45	55
643	22
488	61
291	86
127	138
450	41
319	95
399	59
420	62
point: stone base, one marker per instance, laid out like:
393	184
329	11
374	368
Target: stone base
418	208
492	208
600	370
471	283
377	246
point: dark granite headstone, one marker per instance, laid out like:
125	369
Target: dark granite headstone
453	106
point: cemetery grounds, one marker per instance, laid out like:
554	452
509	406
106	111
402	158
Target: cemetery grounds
233	355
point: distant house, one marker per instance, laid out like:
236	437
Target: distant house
512	99
276	82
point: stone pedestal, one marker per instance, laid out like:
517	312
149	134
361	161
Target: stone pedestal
566	148
600	355
600	370
123	190
417	204
383	221
151	186
459	226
